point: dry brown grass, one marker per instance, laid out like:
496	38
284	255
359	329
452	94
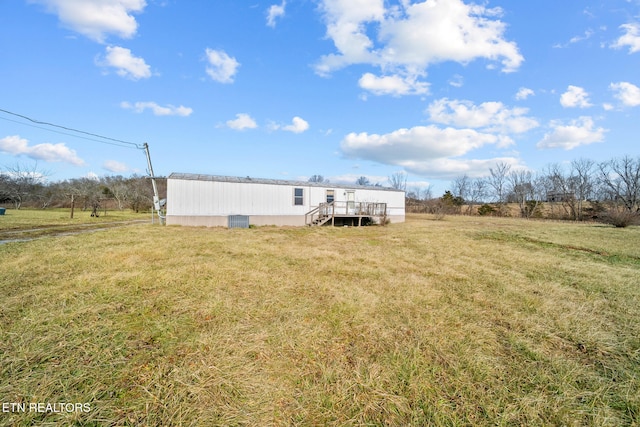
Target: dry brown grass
481	321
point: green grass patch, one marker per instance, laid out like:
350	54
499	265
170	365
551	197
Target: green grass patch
22	219
466	321
27	224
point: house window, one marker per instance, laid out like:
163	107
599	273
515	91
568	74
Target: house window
298	196
330	196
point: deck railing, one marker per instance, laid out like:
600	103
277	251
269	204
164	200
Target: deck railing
326	211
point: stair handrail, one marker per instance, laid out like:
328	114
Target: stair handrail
311	213
322	210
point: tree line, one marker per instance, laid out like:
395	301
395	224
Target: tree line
580	190
29	187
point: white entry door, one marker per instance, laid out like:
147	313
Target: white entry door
351	202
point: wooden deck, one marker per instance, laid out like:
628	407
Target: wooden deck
353	211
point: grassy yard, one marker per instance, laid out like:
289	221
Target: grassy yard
464	321
25	224
31	218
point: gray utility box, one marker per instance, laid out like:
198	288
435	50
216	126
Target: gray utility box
238	221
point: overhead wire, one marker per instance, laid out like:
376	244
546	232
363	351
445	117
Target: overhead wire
117	144
103	139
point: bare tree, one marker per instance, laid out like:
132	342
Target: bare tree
419	198
398	181
571	187
421	193
317	178
363	180
5	185
118	189
497	180
471	191
83	192
45	195
461	187
477	193
427	192
139	193
582	183
561	189
415	194
621	178
525	189
21	183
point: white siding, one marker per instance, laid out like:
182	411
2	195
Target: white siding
221	198
191	197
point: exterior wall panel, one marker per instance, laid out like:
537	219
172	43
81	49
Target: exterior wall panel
208	201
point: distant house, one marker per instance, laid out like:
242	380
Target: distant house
556	196
210	200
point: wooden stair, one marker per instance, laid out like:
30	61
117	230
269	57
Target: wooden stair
321	220
320	215
340	211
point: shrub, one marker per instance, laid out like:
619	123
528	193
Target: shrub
594	210
486	209
620	218
534	209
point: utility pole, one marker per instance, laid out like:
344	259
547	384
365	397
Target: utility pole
156	198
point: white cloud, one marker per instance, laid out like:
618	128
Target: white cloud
412	36
631	38
222	68
432	32
448	168
393	85
97	19
298	125
20	174
115	166
125	63
586	36
420	143
575	96
242	121
48	152
489	116
274	12
418	185
626	92
350	178
456	81
576	39
345	20
425	150
524	93
168	110
569	136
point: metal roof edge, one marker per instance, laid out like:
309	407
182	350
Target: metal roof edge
251	180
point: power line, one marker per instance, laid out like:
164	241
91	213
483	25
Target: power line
104	140
117	144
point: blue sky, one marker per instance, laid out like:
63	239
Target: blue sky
340	88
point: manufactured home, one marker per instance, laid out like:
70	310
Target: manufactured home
224	201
